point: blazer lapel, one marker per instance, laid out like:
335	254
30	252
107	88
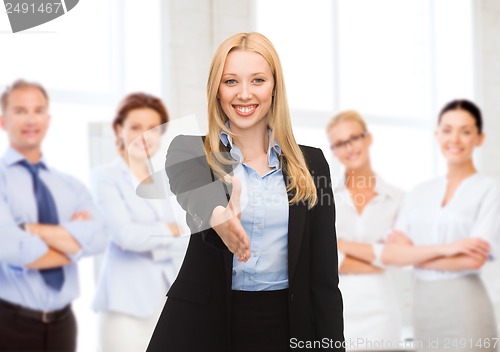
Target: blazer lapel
296	224
226	254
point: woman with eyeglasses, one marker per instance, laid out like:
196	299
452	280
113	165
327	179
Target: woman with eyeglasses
367	209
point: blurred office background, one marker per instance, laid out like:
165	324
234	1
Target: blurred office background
396	61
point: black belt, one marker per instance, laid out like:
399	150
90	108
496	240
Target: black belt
44	317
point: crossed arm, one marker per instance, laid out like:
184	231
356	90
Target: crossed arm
59	241
358	258
455	263
466	254
352	265
51	259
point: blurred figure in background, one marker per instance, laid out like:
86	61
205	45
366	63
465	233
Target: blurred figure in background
145	252
452	308
47	222
367	208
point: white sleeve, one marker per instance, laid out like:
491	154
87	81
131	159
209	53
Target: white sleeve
487	220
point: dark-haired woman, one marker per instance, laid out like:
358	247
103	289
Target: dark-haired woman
452	308
144	254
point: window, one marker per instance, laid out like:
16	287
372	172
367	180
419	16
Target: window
303	38
395	61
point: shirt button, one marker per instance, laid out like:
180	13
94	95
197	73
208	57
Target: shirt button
254	254
234	272
259	226
259	198
250	277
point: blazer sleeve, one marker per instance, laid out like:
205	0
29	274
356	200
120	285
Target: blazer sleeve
326	297
193	184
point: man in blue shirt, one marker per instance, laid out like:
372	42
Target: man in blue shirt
47	222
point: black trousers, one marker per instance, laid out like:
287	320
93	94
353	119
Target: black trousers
21	332
260	321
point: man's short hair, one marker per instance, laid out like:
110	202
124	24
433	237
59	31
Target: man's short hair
21	84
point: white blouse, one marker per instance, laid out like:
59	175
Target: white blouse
376	220
473	211
371	310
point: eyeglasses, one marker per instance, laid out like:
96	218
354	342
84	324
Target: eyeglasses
348	142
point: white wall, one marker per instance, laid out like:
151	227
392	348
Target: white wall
192	31
487	69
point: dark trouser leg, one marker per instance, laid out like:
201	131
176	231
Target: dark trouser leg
18	333
60	335
21	333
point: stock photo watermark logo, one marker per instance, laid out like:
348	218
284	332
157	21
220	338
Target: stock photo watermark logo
25	14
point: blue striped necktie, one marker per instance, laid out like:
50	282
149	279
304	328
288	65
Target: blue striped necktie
47	214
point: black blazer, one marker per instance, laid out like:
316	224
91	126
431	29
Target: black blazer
196	316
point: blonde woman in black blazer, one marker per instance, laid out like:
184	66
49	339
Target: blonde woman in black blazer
249	125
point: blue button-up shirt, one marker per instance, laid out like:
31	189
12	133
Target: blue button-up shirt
264	204
18	248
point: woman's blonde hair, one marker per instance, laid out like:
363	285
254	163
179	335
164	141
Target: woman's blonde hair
348	115
278	117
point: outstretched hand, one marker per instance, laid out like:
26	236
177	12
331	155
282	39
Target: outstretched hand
226	221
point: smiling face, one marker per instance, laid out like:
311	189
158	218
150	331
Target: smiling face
458	135
26	119
351	145
246	91
138	122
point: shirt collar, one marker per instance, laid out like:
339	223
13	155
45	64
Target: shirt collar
273	151
381	187
12	157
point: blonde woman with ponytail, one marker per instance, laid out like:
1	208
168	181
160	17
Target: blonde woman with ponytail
260	273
